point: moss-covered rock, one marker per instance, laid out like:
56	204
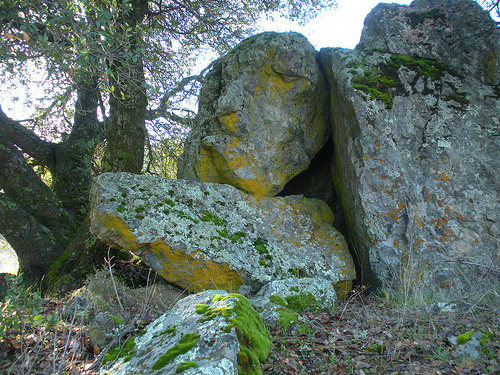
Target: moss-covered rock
215	332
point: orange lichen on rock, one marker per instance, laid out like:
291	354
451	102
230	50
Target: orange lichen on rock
194	272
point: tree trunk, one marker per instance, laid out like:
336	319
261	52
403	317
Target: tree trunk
39	223
83	255
126	134
48	228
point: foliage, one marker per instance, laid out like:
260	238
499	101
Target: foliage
22	307
493	6
73	40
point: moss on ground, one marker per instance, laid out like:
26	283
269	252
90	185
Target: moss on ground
125	351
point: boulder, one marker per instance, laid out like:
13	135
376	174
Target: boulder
417	154
210	333
293	288
204	235
280	301
456	33
262	117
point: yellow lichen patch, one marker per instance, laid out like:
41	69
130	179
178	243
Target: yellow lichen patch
113	223
394	215
401	205
441	221
230	121
206	169
194	274
343	288
460	217
257	186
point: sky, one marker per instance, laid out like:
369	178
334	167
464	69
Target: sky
340	27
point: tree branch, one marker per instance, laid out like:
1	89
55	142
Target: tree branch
27	140
23	186
161	110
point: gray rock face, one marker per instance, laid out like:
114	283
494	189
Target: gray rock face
417	167
458	33
204	235
200	335
262	116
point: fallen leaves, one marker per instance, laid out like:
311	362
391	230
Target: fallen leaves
369	337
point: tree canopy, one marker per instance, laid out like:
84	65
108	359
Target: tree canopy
107	77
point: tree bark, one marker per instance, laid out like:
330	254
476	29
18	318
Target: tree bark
126	134
43	225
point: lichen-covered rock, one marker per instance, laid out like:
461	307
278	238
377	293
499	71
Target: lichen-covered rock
262	116
457	33
287	297
417	167
210	333
205	235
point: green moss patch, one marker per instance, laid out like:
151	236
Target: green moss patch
185	344
278	300
418	18
302	301
183	366
210	313
253	337
381	81
121	351
201	308
168	331
379	85
286	318
291	306
208	217
427	68
266	259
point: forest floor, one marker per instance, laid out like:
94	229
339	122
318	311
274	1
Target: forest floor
362	335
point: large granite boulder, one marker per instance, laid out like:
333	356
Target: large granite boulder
457	33
417	150
263	115
210	333
205	235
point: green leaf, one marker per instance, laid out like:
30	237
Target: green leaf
117	319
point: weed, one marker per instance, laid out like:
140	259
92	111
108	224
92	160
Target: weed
22	307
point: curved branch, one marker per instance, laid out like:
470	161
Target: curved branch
23	186
161	110
27	140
